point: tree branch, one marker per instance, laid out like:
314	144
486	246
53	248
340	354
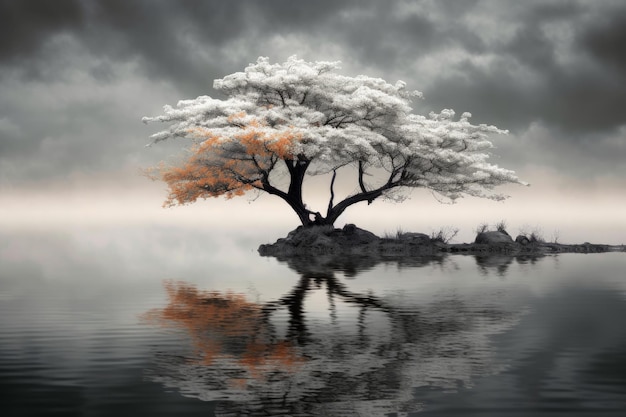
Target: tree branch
369	196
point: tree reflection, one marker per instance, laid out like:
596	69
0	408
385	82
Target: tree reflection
281	358
223	325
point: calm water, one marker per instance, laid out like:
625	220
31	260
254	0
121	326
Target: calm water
158	321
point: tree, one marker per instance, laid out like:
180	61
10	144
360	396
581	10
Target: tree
303	118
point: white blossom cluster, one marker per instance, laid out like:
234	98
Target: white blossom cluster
342	120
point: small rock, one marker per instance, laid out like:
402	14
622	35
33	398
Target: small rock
493	237
418	238
355	235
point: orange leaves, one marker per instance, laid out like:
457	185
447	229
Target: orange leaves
199	132
255	136
228	166
235	118
199	177
260	143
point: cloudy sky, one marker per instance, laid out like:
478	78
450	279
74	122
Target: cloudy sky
77	76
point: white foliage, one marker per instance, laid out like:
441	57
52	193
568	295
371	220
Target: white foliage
345	120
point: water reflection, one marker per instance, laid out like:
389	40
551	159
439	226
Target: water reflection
448	332
352	265
322	349
500	263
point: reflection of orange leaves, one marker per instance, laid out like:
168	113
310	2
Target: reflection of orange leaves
205	315
198	310
228	166
285	354
238	383
212	319
281	354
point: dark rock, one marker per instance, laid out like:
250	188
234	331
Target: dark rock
320	239
349	229
353	234
495	237
415	238
522	240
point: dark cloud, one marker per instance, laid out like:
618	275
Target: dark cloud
25	25
282	15
554	10
530	47
170	39
578	102
557	63
392	36
528	81
187	43
585	101
604	41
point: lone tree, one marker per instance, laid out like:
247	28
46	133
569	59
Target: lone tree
303	118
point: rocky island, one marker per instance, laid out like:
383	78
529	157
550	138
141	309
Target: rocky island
351	240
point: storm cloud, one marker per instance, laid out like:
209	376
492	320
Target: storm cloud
77	76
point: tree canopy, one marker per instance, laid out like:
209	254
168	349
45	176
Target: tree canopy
304	118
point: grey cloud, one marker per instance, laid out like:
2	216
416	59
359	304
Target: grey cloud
577	95
186	43
10	135
456	9
530	47
153	33
519	70
278	15
493	96
389	37
161	34
553	10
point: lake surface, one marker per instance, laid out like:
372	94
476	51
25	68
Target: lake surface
175	321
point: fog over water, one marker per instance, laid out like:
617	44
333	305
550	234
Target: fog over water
571	216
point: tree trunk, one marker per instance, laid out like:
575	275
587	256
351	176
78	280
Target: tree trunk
293	197
297	170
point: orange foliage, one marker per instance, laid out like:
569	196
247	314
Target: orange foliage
227	166
212	319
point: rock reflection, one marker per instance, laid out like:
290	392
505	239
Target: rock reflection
328	264
359	354
352	265
500	263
